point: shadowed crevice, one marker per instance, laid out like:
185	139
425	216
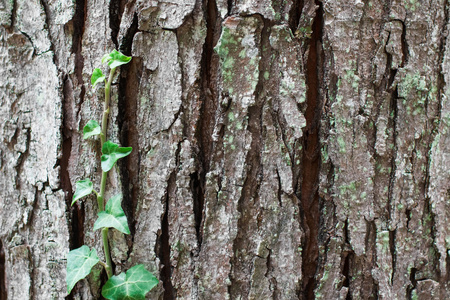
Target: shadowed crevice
164	239
127	116
79	20
347	259
412	286
310	205
405	50
392	238
205	125
295	14
115	16
164	250
3	292
198	191
69	114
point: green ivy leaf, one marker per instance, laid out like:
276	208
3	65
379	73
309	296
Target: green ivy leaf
130	286
113	216
79	264
91	128
111	153
97	77
82	188
115	59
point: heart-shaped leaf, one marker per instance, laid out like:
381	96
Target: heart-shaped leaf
115	59
82	188
130	286
97	77
79	264
113	216
91	128
111	153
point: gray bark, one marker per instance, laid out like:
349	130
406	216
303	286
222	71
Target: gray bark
282	150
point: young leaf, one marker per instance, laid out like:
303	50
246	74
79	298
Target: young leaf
91	128
97	77
82	188
111	153
115	59
113	216
79	264
130	286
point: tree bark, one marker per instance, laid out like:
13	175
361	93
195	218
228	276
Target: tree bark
281	150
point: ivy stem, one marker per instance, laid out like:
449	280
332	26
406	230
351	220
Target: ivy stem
108	266
106	106
101	195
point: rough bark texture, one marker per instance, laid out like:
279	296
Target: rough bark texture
282	149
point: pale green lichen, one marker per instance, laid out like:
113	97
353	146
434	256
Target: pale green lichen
341	144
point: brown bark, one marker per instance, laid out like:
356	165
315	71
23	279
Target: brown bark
282	150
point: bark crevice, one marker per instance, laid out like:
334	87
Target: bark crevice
164	238
164	252
347	259
412	278
295	14
311	157
198	191
68	112
205	124
392	238
115	16
3	292
130	75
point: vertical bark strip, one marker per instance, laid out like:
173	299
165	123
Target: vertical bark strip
311	157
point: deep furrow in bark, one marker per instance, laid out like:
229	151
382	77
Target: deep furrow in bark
412	278
294	14
404	46
79	20
164	253
130	75
3	293
392	239
311	158
198	190
164	238
347	259
13	15
205	126
393	121
76	239
114	20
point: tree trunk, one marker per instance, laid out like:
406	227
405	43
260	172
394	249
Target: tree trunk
281	150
